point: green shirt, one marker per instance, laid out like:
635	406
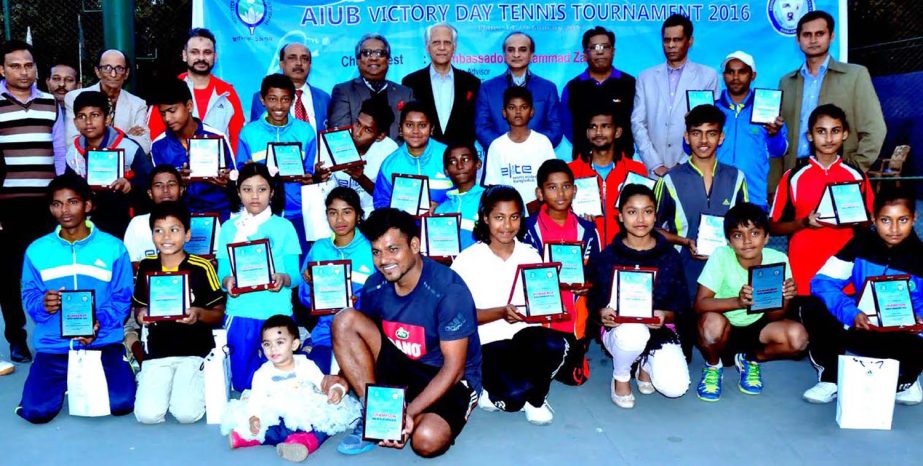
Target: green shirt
724	275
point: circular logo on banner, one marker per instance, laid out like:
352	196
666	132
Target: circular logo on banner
784	14
252	13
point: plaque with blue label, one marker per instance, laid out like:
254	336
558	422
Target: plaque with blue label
288	159
251	265
570	255
632	294
203	228
78	313
694	98
341	148
384	413
331	286
168	295
541	299
767	282
104	167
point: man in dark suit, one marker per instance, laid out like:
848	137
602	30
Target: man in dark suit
310	103
447	92
373	54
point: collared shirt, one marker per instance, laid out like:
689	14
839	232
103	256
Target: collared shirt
520	81
674	75
810	94
308	101
57	131
585	76
443	94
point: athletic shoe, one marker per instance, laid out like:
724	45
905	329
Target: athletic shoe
751	382
539	415
709	388
622	401
485	403
6	367
911	395
822	393
353	444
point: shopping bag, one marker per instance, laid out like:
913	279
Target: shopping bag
87	390
865	392
314	210
217	374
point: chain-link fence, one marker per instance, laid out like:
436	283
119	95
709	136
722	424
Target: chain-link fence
886	35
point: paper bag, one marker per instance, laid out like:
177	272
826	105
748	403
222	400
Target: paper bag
314	210
87	390
217	374
865	392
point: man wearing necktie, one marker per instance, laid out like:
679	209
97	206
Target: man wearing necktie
310	103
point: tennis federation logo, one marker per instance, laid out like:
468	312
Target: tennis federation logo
784	14
252	13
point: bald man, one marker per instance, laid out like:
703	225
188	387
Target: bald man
129	112
295	62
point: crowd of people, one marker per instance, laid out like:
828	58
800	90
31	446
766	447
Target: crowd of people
446	330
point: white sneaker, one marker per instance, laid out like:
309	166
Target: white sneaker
822	393
6	367
541	415
485	403
910	396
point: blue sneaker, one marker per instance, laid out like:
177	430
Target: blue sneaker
751	382
353	444
709	388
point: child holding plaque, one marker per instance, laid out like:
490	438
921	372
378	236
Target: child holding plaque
519	359
76	256
419	155
651	351
165	184
891	248
726	329
277	93
462	163
91	117
344	214
258	220
171	378
292	405
794	209
173	102
556	222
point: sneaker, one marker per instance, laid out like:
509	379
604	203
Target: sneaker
539	415
709	388
485	403
294	452
822	393
751	382
622	401
911	395
353	444
6	367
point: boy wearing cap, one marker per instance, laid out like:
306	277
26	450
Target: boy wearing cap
747	146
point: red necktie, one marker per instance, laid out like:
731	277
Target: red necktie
300	112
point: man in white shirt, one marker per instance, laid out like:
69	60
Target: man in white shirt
513	158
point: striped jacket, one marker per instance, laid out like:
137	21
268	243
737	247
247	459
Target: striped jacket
30	136
98	262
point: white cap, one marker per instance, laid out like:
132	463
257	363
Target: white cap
745	57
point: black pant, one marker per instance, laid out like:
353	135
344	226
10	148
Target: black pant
520	370
23	220
828	340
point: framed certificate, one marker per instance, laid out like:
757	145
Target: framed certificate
203	228
541	292
587	201
384	413
287	157
632	294
634	178
331	286
711	234
251	265
410	193
168	295
206	157
341	148
843	204
570	255
441	236
694	98
78	313
887	297
105	166
767	282
767	106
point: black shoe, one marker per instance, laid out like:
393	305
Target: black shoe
19	352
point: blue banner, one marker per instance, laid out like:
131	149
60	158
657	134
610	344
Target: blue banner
250	34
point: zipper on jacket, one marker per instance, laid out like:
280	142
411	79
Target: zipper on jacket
74	262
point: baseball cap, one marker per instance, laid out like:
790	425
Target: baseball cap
745	57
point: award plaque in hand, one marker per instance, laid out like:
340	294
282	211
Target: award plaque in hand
251	264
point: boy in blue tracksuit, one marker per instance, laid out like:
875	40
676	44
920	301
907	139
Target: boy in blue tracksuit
890	248
419	155
278	92
174	103
76	256
462	164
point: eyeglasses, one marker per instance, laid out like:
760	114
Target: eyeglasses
599	48
109	69
373	53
